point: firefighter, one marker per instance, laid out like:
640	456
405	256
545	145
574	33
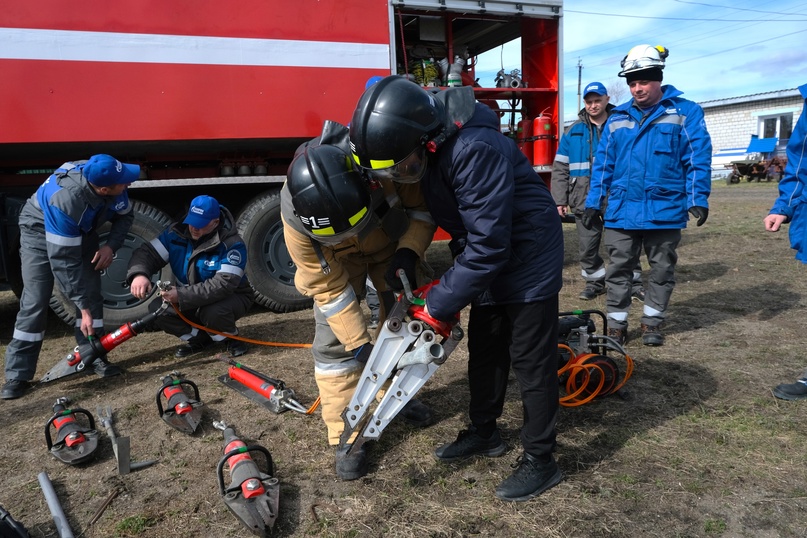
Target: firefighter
338	230
508	247
208	259
59	242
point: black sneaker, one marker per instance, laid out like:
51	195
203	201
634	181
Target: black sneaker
652	335
104	368
592	290
192	347
236	348
15	388
530	478
620	335
351	466
792	391
638	293
417	414
469	443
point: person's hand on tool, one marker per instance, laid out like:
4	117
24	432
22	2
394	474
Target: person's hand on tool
86	323
103	258
406	259
170	296
141	286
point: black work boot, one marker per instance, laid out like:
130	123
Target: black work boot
532	476
353	465
791	391
103	368
417	414
194	345
620	335
470	443
236	348
592	290
652	335
15	388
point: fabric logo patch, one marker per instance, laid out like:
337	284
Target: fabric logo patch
197	210
234	257
120	205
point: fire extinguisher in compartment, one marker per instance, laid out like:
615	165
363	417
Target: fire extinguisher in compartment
524	137
543	154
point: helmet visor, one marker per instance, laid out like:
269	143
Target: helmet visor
410	169
327	236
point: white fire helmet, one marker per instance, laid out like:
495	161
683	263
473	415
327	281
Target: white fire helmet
643	57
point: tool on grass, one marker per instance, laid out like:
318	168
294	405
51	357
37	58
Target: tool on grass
120	445
266	391
182	412
410	346
85	354
75	442
62	526
253	496
10	527
586	369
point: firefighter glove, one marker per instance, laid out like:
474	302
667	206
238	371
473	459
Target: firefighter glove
700	213
590	216
363	353
406	259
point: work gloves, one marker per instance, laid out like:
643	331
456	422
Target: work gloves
363	353
590	216
406	259
700	213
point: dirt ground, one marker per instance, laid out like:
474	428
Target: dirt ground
698	448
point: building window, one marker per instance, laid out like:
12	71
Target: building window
780	126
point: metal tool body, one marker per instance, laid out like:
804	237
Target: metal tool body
253	496
409	348
120	445
181	412
86	354
266	391
74	442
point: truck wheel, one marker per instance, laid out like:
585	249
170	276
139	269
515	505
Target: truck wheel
120	306
269	266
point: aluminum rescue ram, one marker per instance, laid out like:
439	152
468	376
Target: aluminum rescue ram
214	97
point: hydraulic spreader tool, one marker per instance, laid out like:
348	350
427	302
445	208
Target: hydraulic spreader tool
408	350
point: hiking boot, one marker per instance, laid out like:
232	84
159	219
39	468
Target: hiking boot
194	345
638	293
104	368
530	478
792	391
620	335
651	335
15	388
592	290
469	443
236	348
351	466
417	414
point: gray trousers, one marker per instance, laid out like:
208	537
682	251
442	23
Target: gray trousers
624	248
591	263
22	353
219	316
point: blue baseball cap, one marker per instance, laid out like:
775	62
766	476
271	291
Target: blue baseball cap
372	80
104	171
204	209
595	87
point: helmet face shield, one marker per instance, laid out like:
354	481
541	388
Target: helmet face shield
328	236
410	169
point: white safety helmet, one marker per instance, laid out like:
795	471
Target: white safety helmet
643	57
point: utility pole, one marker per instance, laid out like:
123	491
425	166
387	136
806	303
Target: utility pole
579	80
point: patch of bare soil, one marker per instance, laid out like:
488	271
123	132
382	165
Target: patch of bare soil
697	448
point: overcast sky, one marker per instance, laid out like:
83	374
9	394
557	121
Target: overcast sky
718	48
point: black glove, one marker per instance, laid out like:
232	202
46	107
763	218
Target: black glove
700	213
407	260
589	217
363	353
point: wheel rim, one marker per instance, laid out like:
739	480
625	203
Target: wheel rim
276	257
114	288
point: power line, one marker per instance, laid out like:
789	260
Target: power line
732	7
688	19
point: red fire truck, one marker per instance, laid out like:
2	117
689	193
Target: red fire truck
213	97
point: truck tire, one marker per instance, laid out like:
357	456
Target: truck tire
269	266
120	306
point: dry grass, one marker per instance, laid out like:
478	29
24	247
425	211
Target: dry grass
700	448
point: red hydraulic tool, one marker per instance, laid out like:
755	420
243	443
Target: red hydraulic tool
85	354
182	412
253	496
262	389
75	443
408	350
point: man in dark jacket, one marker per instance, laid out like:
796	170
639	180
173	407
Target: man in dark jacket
508	257
59	242
208	259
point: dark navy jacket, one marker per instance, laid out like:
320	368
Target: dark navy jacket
483	191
